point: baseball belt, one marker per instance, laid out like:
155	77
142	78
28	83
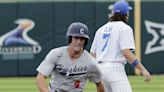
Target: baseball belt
100	62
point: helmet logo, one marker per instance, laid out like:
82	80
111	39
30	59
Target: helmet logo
81	31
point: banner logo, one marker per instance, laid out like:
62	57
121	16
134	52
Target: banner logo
157	31
16	44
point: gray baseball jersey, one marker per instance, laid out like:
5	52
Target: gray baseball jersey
66	75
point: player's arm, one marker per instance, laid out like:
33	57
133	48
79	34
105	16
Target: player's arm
100	87
41	83
94	45
45	69
96	76
134	62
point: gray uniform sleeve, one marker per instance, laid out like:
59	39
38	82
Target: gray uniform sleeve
94	74
47	65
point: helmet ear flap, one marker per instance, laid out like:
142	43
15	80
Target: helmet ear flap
69	39
86	42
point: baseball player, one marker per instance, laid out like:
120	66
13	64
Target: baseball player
69	66
112	47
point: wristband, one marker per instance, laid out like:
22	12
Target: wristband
135	62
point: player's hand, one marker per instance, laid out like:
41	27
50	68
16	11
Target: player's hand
146	75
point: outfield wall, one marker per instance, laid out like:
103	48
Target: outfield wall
48	23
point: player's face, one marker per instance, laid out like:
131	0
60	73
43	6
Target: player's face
77	43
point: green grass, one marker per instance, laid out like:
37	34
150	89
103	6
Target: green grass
27	84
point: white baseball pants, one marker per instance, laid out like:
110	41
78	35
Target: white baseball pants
114	77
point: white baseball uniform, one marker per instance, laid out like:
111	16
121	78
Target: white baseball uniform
108	43
66	75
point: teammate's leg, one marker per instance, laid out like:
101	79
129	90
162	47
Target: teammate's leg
114	77
120	86
107	87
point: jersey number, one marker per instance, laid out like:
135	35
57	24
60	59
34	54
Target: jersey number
77	84
106	38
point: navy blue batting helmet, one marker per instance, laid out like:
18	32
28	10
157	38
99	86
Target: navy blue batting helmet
77	29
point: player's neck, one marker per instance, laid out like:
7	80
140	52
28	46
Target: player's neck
74	54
